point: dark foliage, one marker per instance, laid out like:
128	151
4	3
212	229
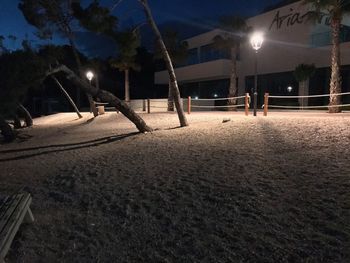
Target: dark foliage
20	71
95	18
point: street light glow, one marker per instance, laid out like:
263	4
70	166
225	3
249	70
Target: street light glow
215	95
89	75
256	40
289	89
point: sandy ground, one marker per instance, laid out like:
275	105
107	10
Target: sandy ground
272	189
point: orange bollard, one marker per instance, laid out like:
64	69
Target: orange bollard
246	104
148	106
266	103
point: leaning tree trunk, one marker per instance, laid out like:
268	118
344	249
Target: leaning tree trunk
27	116
104	96
93	107
170	98
335	83
232	92
169	64
6	130
67	96
127	86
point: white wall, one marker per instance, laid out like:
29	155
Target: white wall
217	69
203	39
287	44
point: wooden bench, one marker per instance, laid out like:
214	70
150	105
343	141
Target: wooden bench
13	210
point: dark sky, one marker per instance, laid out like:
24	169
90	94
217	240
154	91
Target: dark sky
12	21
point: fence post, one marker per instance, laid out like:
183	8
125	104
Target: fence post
148	106
143	105
266	103
189	105
246	104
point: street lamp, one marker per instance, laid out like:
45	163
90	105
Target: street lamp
256	40
89	76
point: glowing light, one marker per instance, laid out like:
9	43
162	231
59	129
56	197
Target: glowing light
196	97
289	89
89	75
256	40
215	95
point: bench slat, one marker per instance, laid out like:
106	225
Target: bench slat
3	204
8	209
19	208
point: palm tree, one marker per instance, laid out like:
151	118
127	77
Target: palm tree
335	9
178	52
168	62
128	42
303	73
235	30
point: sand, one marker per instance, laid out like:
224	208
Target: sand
272	189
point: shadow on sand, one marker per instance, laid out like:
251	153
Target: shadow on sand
66	147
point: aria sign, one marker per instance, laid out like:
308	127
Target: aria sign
296	18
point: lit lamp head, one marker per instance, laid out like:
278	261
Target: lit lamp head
290	89
89	75
256	40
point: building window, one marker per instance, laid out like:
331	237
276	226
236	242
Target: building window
325	38
345	34
192	56
210	53
321	39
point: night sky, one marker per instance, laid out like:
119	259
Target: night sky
129	12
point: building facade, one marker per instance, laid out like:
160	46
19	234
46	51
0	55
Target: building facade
290	39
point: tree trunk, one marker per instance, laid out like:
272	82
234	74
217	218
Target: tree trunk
27	116
170	99
127	86
82	76
335	83
169	65
17	122
233	79
67	96
306	92
6	130
104	96
303	91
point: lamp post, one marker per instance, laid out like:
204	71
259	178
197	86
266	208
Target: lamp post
89	76
256	41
